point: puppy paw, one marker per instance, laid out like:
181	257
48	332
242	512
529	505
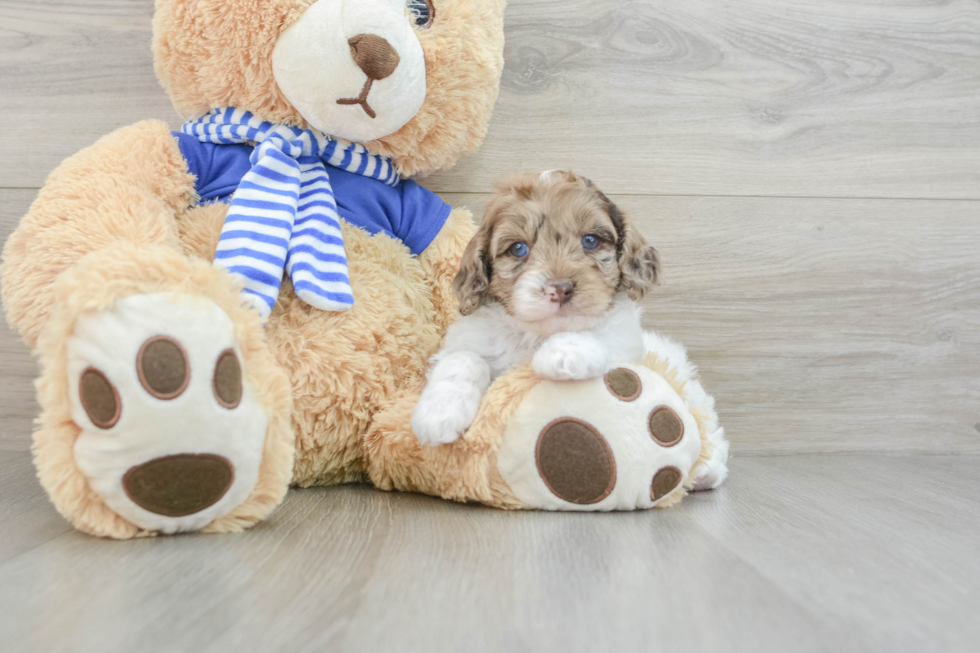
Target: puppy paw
571	356
444	412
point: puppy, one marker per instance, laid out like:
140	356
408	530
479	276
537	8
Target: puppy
552	277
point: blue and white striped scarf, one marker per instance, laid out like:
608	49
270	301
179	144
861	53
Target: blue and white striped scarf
283	214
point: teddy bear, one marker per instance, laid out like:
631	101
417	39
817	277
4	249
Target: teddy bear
249	303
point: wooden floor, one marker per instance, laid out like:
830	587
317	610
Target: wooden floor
798	553
809	171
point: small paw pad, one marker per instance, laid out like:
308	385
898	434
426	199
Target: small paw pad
162	367
664	482
575	461
665	426
624	384
227	382
99	398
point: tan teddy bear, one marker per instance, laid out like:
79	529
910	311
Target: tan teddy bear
250	302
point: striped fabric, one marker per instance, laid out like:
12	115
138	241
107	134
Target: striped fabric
283	215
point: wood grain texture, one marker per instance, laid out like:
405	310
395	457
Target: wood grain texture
805	553
878	98
18	369
822	325
72	71
28	518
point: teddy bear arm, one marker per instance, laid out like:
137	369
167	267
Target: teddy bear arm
440	262
126	188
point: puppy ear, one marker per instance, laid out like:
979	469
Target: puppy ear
472	282
639	263
639	266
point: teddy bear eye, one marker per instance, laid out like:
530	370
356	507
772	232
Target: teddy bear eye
420	12
590	241
518	249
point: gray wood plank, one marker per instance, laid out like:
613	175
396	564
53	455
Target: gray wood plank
858	541
28	518
875	98
879	98
18	404
801	553
822	325
72	71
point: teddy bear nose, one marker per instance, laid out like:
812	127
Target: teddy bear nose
374	55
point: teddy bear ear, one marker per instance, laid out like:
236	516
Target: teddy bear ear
198	58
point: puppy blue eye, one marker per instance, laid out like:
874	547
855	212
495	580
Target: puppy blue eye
590	241
519	250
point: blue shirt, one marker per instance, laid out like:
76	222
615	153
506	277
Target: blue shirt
405	211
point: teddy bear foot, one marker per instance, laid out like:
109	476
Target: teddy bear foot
171	433
713	472
624	441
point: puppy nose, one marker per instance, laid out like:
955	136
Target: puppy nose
374	55
560	291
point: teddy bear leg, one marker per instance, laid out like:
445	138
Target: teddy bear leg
624	441
464	470
129	187
163	410
713	471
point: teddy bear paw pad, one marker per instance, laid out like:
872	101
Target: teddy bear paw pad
624	441
575	462
171	434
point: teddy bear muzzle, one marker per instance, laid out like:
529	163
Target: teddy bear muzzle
353	69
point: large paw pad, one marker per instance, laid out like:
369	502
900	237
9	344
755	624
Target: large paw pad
179	485
575	461
621	442
172	436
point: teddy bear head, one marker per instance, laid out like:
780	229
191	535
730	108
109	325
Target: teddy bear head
411	79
